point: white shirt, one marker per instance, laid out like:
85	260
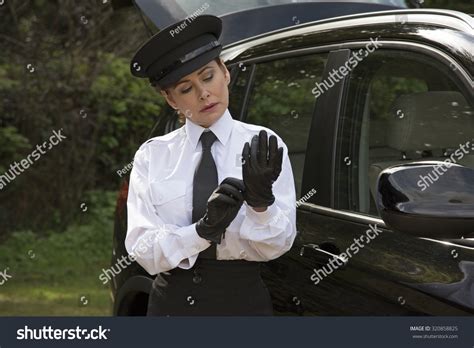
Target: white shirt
160	235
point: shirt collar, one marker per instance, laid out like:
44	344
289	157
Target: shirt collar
222	128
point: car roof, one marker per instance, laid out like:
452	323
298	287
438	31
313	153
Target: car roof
420	25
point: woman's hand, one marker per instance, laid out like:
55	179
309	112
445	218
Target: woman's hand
261	166
222	208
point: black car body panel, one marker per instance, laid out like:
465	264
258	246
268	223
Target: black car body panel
403	25
397	273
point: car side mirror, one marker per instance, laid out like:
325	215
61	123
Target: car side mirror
427	199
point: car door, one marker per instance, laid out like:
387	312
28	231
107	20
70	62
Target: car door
271	91
398	105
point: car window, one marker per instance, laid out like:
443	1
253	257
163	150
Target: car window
237	89
400	107
281	100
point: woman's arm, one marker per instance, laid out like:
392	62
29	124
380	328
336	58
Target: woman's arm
271	232
156	245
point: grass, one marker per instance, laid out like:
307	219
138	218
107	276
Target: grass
29	299
50	275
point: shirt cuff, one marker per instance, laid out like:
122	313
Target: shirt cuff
192	245
262	217
193	241
188	263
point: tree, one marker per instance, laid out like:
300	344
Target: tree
64	65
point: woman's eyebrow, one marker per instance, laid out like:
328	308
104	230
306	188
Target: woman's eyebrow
199	73
205	68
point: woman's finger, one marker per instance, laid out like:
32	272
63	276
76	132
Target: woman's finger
237	183
272	150
254	151
230	191
262	148
222	199
277	164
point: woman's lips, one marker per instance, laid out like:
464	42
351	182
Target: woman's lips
209	108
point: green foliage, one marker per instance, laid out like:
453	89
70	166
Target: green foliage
125	109
50	274
11	144
60	72
84	248
466	6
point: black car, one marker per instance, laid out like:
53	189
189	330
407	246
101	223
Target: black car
374	100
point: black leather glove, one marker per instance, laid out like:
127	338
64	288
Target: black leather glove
259	171
222	207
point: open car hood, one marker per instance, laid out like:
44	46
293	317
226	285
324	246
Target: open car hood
247	18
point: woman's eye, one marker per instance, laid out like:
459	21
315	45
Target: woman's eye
208	78
186	90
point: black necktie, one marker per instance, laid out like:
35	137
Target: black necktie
205	181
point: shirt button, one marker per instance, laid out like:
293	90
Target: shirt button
196	278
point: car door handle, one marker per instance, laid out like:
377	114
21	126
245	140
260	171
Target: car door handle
322	257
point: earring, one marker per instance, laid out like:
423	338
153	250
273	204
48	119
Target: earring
181	117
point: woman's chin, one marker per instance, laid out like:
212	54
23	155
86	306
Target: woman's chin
210	116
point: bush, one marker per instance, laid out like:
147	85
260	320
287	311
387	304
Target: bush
79	252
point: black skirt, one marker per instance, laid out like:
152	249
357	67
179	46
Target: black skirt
211	288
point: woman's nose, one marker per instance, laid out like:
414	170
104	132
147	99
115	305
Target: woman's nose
204	94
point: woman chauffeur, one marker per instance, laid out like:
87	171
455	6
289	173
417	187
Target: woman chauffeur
203	240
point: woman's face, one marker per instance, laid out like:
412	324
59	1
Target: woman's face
203	95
